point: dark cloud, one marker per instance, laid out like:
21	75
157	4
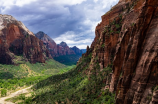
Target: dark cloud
60	18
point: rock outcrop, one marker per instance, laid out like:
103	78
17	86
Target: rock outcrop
127	38
16	39
50	44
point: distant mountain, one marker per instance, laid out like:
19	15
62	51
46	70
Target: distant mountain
76	50
16	40
60	52
50	44
55	50
63	49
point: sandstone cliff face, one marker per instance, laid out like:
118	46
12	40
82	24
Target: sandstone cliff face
127	37
16	39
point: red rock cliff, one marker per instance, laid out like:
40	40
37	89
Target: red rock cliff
127	37
16	39
49	43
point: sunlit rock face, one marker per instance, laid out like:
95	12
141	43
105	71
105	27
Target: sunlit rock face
16	39
127	38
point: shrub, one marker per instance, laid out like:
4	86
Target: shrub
3	92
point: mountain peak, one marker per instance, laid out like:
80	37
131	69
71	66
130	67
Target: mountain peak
76	50
63	44
40	34
8	19
74	47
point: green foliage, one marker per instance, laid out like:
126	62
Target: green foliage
156	88
132	24
103	45
27	69
26	74
105	31
66	86
6	75
21	97
68	59
114	26
74	86
3	92
117	26
149	97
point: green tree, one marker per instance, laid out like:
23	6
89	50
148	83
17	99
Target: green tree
3	92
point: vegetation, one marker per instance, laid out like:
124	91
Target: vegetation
3	92
27	69
74	86
103	45
13	77
68	59
114	27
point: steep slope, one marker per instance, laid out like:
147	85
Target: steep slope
127	37
17	40
49	42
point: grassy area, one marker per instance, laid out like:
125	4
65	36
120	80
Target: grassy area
27	69
68	59
13	77
74	87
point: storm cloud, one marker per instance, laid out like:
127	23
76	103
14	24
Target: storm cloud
71	21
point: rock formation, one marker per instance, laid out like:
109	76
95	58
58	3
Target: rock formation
16	39
50	44
63	49
127	38
57	50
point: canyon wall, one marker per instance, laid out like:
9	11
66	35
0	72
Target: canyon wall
17	40
127	39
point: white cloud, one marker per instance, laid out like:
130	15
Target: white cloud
73	39
108	3
68	2
16	2
95	1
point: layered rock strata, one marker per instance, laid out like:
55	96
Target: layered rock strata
16	39
127	38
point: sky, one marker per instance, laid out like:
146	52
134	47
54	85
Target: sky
71	21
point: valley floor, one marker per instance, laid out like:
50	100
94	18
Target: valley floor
22	91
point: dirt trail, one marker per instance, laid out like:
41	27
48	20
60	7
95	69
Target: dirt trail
2	99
